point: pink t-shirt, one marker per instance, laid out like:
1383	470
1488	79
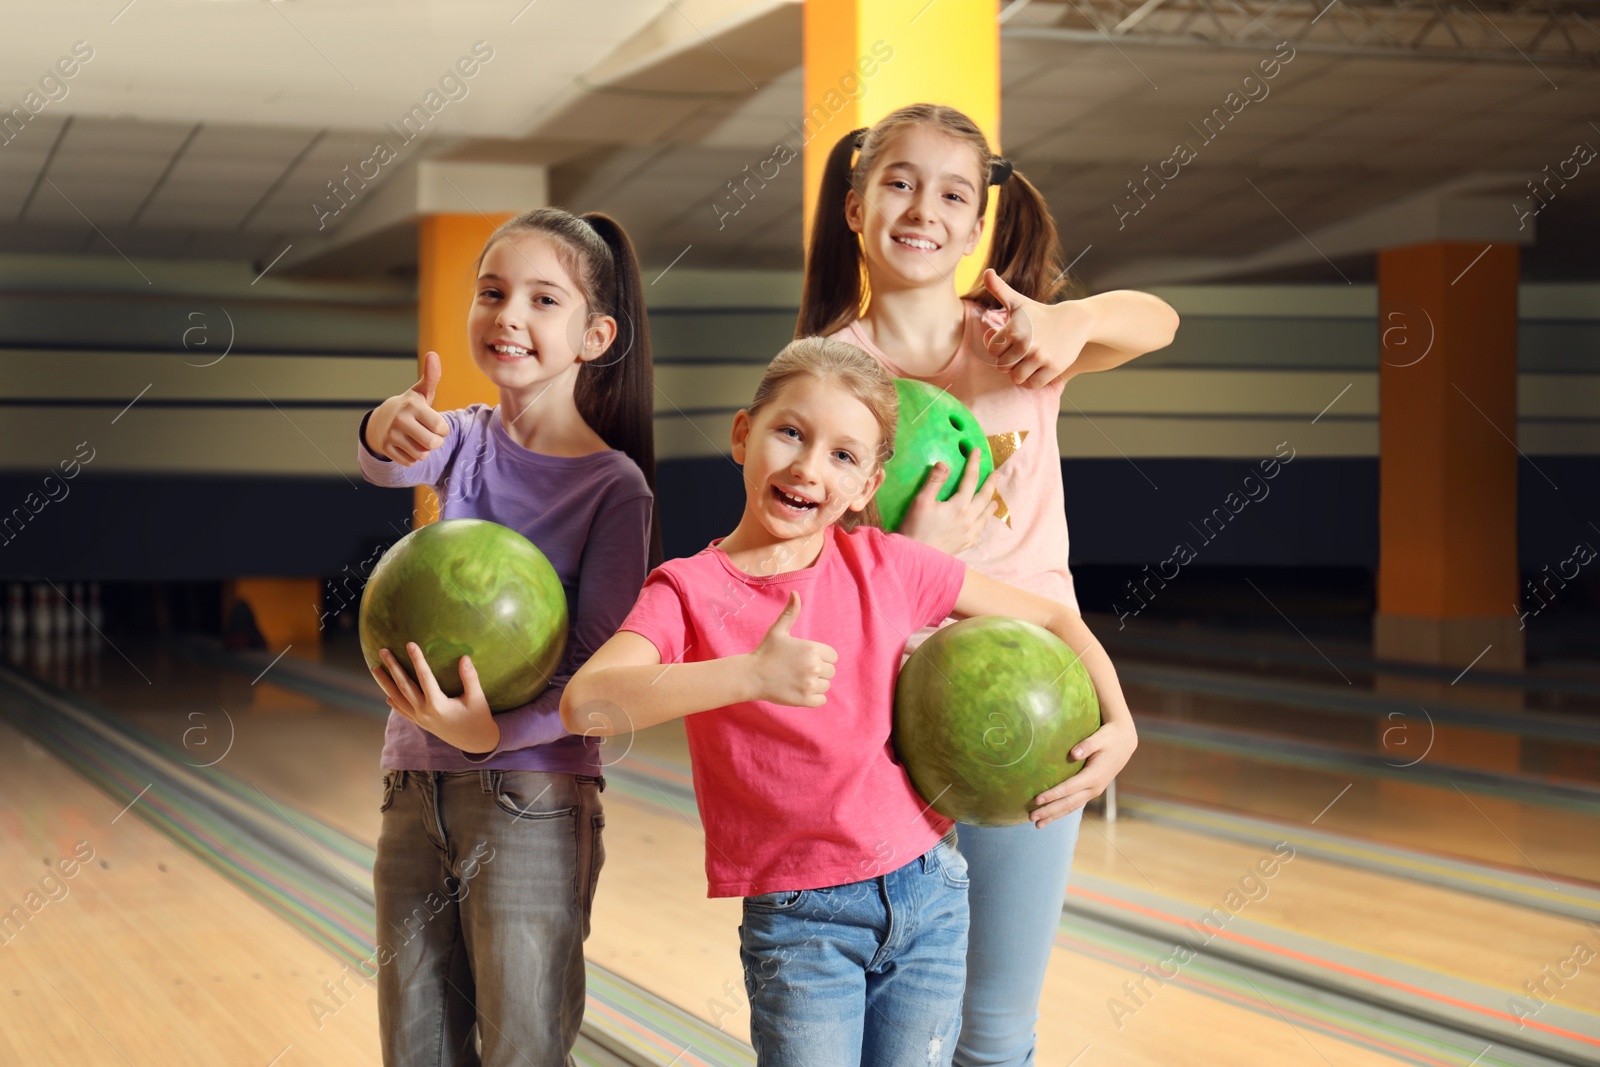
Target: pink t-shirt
801	798
1031	552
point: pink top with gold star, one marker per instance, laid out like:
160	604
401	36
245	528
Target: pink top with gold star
1030	549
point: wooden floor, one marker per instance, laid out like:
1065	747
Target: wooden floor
1434	928
149	952
1510	833
145	955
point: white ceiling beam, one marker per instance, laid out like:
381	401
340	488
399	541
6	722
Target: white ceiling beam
686	25
432	187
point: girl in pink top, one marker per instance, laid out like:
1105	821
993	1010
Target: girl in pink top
903	214
781	642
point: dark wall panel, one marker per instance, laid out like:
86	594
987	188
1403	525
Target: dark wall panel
1320	513
700	499
194	528
1311	513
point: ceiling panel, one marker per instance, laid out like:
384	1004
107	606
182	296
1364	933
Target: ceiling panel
1381	124
1311	152
359	63
90	138
1068	144
1335	137
1503	128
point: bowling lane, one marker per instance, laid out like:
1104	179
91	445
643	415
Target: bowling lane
653	923
654	926
1392	918
320	758
1538	838
1427	926
1174	1025
1530	750
1280	654
144	955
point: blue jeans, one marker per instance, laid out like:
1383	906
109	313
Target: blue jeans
1019	879
484	885
865	973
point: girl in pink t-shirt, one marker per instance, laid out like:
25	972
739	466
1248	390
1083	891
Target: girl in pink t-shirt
781	643
902	215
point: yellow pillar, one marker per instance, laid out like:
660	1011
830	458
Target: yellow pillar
448	249
865	58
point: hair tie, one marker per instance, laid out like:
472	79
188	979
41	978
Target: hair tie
1000	170
859	137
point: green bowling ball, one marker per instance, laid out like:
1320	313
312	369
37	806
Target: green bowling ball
468	587
986	712
933	426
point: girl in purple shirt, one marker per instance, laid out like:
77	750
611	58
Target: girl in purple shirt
490	846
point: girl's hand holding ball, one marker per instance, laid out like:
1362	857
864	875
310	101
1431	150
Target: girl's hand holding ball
1107	751
465	721
953	525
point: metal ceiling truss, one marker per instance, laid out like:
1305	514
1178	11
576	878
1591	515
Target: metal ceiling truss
1556	32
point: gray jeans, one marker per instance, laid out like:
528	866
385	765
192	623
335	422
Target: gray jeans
484	882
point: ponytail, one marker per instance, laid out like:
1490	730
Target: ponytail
1025	249
831	297
615	392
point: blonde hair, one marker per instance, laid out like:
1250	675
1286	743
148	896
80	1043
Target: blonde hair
861	376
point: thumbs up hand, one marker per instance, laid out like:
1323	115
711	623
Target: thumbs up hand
1039	343
792	670
405	428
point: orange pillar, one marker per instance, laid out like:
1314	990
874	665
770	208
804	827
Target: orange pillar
865	58
1447	570
288	611
448	250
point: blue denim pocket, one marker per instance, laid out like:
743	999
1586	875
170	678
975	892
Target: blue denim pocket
782	900
952	864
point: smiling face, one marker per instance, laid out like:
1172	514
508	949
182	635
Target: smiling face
530	321
809	455
919	214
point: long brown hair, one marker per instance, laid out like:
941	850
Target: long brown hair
862	377
1025	249
615	392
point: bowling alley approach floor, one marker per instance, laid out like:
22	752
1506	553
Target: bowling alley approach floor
1431	918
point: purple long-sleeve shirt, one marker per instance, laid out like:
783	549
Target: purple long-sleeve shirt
589	515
